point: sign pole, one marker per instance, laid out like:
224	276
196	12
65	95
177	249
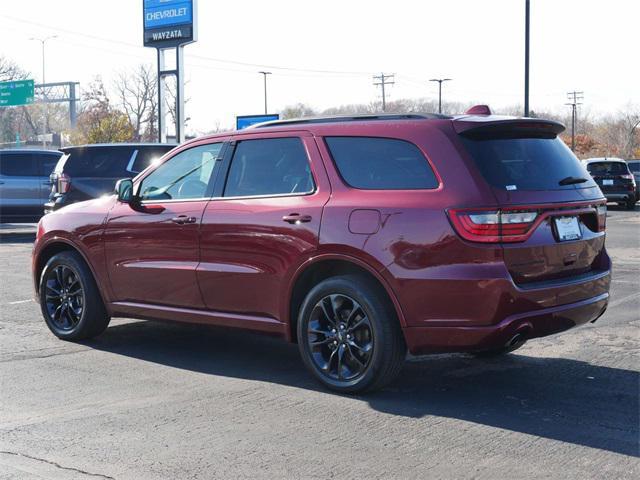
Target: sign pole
169	24
180	134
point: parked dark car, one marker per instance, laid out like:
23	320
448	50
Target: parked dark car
358	238
614	179
634	167
89	171
24	183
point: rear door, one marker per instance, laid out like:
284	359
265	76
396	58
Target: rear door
263	222
19	185
550	227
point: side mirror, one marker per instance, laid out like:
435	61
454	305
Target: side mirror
124	189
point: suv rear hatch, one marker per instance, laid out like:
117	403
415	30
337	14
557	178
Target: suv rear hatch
91	171
612	176
550	218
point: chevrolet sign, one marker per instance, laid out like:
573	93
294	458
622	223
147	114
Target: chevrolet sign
168	23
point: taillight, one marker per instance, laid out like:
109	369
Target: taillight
63	183
627	177
601	210
493	225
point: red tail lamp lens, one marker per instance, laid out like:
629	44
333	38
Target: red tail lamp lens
494	225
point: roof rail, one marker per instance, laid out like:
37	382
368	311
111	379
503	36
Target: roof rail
351	118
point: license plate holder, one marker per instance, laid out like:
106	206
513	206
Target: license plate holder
567	228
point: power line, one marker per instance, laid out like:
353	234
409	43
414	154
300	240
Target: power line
383	80
199	57
574	96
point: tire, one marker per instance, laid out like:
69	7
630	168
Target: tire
69	298
364	356
630	205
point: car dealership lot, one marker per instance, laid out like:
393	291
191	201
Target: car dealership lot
153	400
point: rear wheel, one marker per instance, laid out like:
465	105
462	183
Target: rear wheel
349	336
631	204
70	300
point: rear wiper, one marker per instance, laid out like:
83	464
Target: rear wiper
572	180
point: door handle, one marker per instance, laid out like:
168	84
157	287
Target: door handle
182	219
296	218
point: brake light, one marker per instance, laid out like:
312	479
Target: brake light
494	225
63	183
601	210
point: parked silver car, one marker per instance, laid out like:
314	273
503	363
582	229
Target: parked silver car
24	183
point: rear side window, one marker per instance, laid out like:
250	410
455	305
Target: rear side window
607	168
381	163
98	161
526	163
18	165
273	166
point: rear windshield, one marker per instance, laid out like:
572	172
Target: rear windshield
145	156
98	162
526	163
608	168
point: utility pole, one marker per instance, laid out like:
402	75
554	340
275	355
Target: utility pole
574	97
526	58
43	40
440	80
265	90
383	80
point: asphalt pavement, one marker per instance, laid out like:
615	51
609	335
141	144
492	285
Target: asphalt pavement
151	400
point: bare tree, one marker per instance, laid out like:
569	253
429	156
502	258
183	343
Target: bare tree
137	94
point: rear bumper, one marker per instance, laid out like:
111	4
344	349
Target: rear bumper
534	324
620	196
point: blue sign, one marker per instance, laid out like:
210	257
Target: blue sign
169	23
159	13
245	121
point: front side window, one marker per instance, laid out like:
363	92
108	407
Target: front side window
184	176
273	166
381	163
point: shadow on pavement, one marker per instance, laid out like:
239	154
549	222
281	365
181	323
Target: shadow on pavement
561	399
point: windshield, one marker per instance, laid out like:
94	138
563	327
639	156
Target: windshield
527	163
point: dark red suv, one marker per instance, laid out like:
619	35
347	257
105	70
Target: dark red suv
358	238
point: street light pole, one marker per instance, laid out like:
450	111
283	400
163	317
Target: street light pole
43	40
265	90
440	80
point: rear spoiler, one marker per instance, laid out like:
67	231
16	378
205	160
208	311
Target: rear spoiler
476	127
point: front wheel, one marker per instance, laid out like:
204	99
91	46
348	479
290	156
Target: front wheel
69	298
349	336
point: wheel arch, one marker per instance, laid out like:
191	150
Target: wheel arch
53	247
325	266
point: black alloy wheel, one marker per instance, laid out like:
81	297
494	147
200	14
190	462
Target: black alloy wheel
340	337
349	335
64	297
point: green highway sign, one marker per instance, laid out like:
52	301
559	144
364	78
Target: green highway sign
17	92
